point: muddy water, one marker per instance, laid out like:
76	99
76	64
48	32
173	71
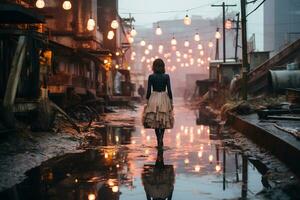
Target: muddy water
126	165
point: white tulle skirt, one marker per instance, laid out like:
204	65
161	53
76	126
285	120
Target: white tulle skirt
158	113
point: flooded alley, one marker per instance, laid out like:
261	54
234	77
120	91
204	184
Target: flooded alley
194	164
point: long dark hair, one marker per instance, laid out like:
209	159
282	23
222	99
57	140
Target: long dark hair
158	66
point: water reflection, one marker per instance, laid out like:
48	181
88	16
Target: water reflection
126	165
158	179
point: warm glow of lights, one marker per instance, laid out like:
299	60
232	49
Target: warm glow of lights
200	154
117	66
190	50
130	39
187	64
158	30
187	20
152	59
178	59
67	5
147	51
178	54
91	197
218	168
197	37
133	142
173	41
160	47
143	43
114	24
106	155
199	60
197	168
198	131
110	182
186	161
228	24
200	47
210	44
133	32
201	53
76	180
115	188
40	3
185	56
133	53
186	43
105	61
117	138
91	25
117	165
182	65
218	35
210	158
150	47
110	35
208	59
202	62
117	53
148	138
129	68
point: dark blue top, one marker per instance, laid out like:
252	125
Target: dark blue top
159	83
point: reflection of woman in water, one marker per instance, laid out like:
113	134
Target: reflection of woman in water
158	114
158	179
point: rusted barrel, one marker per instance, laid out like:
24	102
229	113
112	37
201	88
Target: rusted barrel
279	80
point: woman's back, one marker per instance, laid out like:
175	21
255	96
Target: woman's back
159	83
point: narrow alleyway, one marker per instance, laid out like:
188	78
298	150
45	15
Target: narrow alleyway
193	165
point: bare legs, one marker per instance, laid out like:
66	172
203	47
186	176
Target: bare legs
160	136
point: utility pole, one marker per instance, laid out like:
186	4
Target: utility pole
217	47
223	5
237	36
245	65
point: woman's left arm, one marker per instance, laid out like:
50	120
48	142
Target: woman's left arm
169	88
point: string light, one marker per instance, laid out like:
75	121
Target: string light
210	44
67	5
110	35
91	24
143	43
186	43
150	47
147	51
187	20
173	41
197	37
133	32
158	30
40	3
114	24
218	35
200	46
130	39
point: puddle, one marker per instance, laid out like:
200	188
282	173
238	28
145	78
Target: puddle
127	166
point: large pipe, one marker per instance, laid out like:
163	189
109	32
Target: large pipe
279	80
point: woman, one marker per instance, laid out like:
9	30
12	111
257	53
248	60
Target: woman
158	113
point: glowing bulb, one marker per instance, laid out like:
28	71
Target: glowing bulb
40	3
173	41
187	20
210	44
197	168
67	5
91	24
128	68
200	46
142	43
197	37
160	47
158	30
114	24
110	35
186	43
200	154
201	53
185	55
150	47
218	168
117	66
133	32
208	59
210	158
130	39
186	161
218	35
91	197
190	50
115	188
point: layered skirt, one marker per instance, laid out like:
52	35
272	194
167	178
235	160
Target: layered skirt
158	113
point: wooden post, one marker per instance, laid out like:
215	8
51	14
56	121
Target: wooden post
244	50
14	75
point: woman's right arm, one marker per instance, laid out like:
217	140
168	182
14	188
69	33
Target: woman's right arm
149	87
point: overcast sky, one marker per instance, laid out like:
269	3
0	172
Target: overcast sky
146	12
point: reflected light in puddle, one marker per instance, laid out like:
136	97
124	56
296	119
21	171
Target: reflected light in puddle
198	131
148	138
181	128
91	197
133	142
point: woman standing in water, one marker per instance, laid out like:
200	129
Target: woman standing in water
158	113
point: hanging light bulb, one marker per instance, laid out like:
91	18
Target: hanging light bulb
200	46
150	47
210	44
218	35
197	37
143	43
133	32
114	24
186	43
40	3
110	35
147	51
187	20
91	24
160	47
130	39
158	30
201	53
173	41
190	50
67	5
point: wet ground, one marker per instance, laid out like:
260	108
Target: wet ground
125	164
